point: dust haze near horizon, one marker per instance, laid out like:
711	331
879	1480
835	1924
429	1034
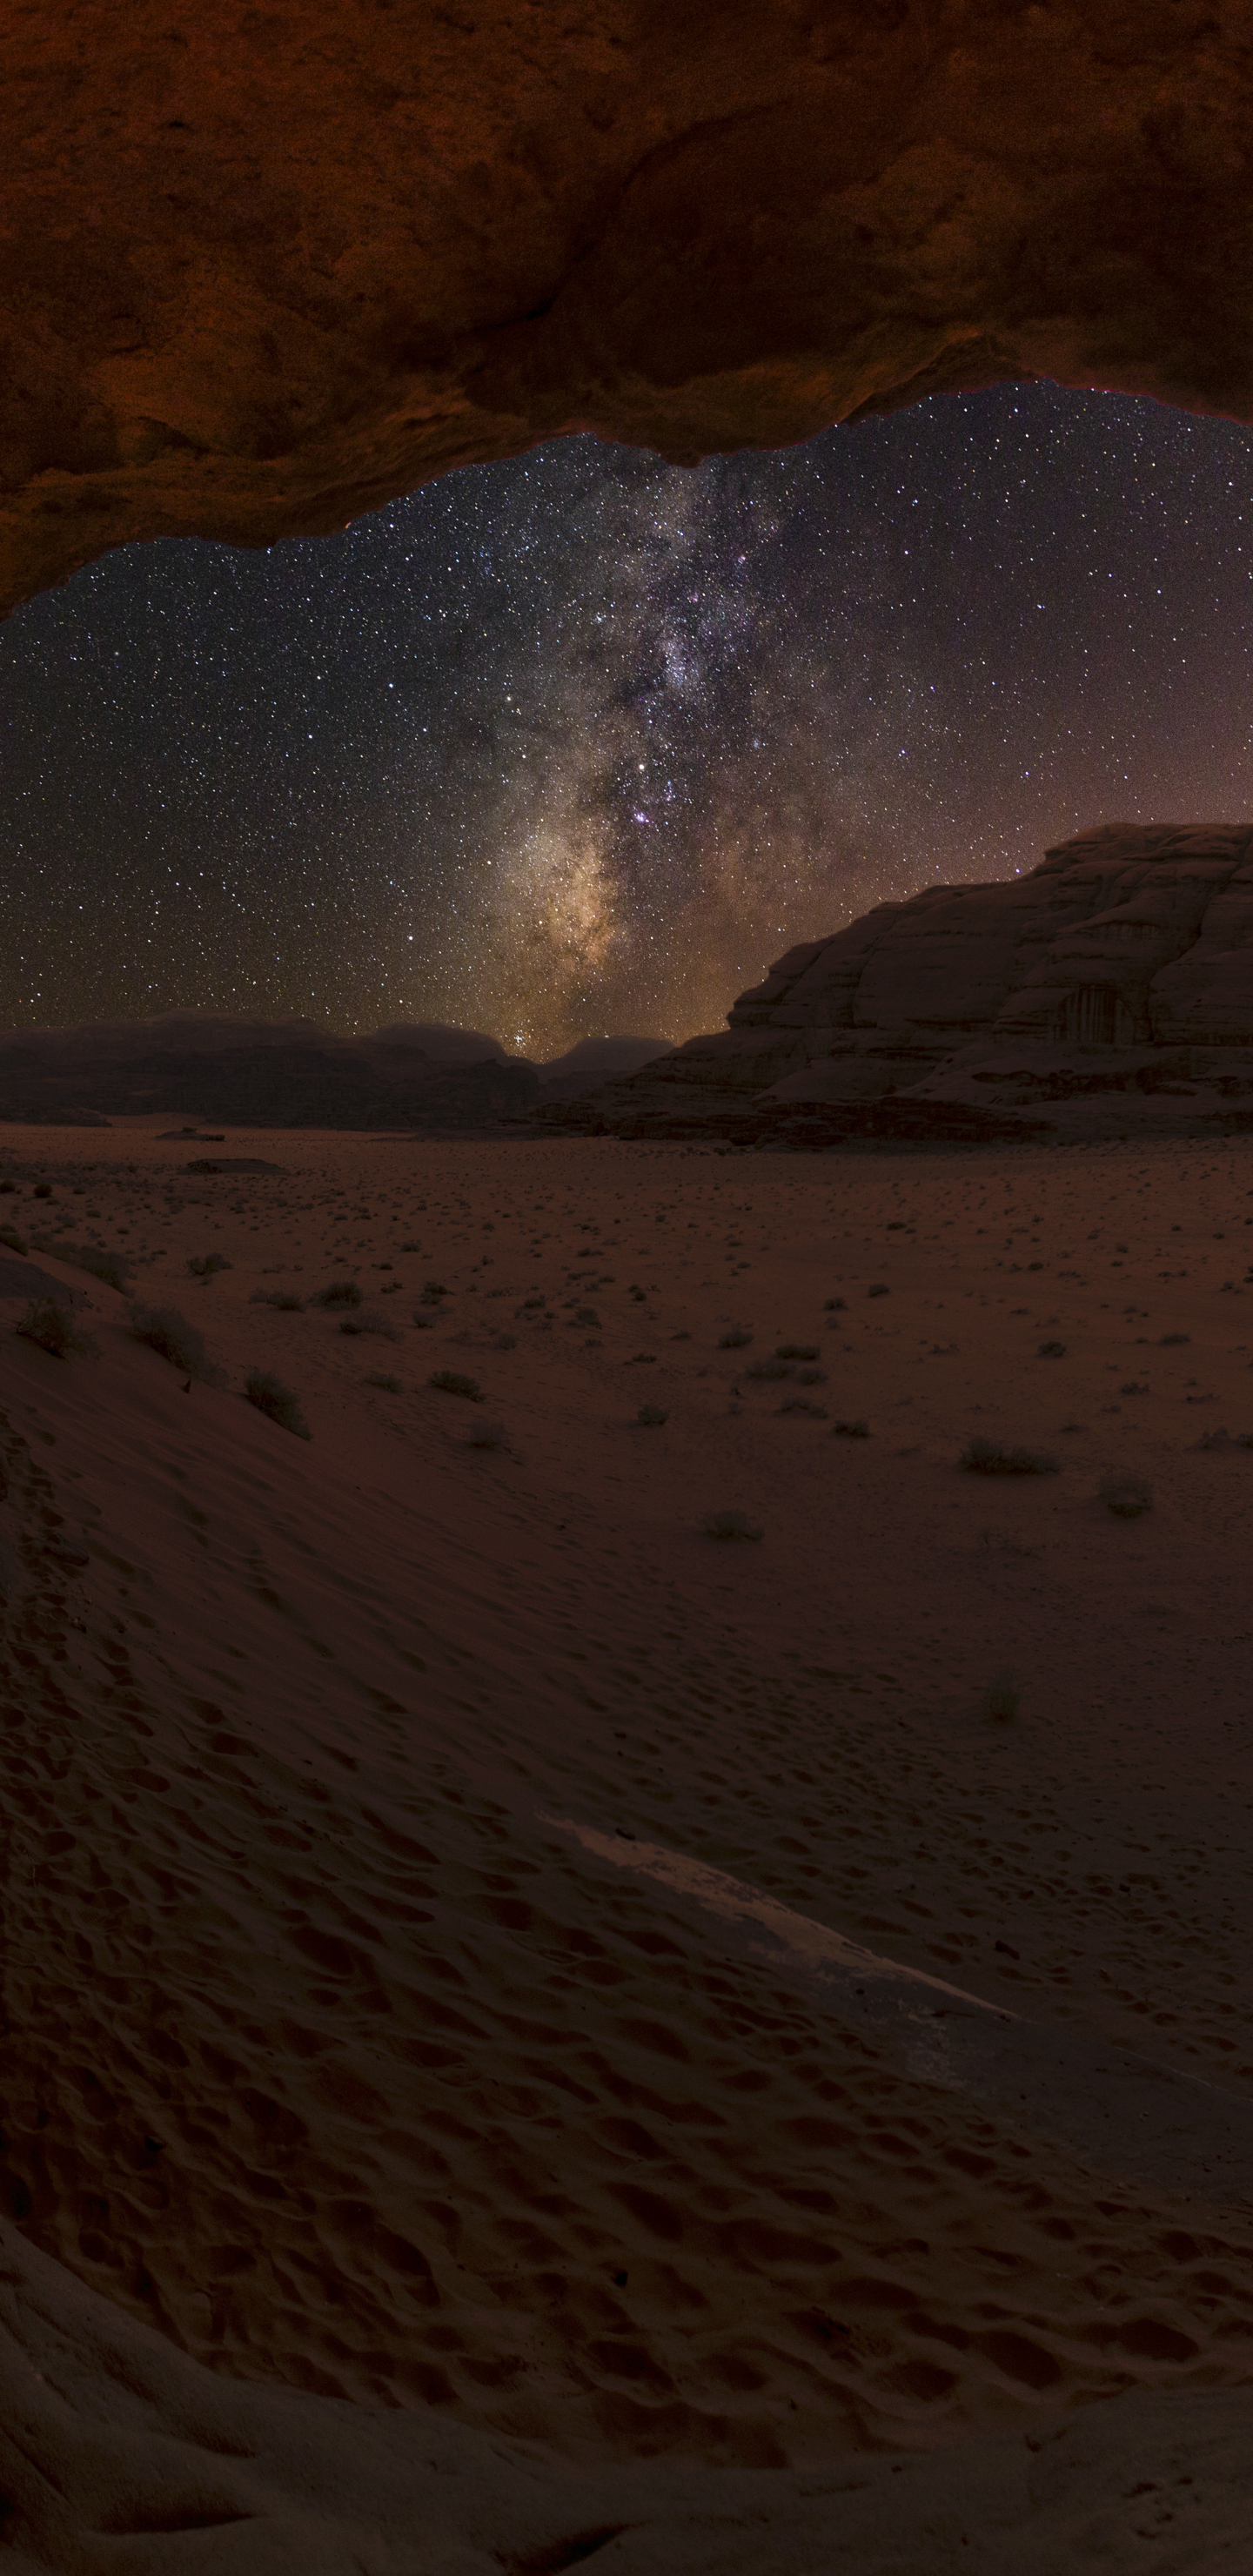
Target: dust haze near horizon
579	743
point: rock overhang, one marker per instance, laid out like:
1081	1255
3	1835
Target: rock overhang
262	271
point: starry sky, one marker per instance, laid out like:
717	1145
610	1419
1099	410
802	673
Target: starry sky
579	743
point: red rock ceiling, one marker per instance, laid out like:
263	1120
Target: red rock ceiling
266	267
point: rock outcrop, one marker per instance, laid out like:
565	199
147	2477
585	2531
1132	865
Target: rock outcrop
1117	975
264	269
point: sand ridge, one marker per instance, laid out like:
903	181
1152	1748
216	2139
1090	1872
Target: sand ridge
327	2055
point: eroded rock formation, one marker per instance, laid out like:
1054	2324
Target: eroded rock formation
1122	965
266	268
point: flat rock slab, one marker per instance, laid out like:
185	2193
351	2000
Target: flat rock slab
1124	2114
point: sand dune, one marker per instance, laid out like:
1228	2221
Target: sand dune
347	2046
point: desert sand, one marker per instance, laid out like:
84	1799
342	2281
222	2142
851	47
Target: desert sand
738	2044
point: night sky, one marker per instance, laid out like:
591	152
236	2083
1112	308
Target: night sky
579	743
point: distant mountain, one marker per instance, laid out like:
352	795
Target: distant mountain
171	1032
295	1073
581	1071
442	1044
259	1073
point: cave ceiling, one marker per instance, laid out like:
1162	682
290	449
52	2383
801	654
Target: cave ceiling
266	267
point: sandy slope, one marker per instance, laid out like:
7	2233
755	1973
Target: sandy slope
335	2052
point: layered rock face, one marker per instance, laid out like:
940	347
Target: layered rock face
1122	964
262	269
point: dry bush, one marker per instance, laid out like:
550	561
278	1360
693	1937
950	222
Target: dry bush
1002	1699
281	1298
338	1297
736	1340
452	1382
369	1320
52	1328
651	1417
730	1525
857	1430
206	1265
163	1329
276	1401
1125	1492
992	1458
487	1435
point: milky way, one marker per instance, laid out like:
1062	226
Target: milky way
579	743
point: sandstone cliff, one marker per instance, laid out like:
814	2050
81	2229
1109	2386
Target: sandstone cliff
1121	966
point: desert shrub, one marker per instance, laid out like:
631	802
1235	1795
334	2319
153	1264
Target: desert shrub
452	1382
281	1298
432	1293
276	1401
163	1329
1134	1386
487	1435
369	1321
206	1265
1125	1493
1171	1341
1052	1351
797	1351
738	1340
389	1385
801	1404
878	1288
52	1327
338	1297
836	1306
813	1377
9	1234
858	1430
1002	1699
108	1266
501	1341
7	1188
651	1417
768	1370
992	1458
42	1190
730	1525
